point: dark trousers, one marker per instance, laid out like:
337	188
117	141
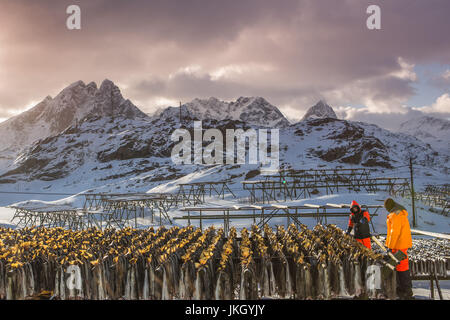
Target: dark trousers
404	285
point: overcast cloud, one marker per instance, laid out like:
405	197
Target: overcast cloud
293	53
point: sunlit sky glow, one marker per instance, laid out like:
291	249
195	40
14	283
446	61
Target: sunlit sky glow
291	52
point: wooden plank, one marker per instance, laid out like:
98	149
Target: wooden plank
279	206
334	205
312	205
251	216
432	234
253	181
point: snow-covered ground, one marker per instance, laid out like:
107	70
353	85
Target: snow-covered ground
6	214
426	220
69	192
421	290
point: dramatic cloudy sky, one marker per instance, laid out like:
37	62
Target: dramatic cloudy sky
292	52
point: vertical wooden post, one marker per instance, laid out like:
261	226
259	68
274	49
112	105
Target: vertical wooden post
431	287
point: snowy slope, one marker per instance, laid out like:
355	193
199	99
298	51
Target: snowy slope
431	130
355	143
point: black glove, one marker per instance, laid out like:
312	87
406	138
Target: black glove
349	229
387	257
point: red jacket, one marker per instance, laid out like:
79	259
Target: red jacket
360	222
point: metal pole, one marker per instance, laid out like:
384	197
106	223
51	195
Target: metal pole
437	282
180	114
412	192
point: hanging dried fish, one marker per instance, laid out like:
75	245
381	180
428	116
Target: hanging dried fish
186	263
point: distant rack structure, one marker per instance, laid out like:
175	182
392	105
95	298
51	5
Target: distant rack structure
437	197
127	206
133	205
443	190
291	185
195	192
117	210
261	215
48	215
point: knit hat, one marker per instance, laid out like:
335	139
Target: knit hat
389	204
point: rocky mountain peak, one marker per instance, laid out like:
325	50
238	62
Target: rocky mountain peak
76	84
320	110
252	110
53	115
107	86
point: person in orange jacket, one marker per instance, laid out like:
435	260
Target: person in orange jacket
360	221
399	238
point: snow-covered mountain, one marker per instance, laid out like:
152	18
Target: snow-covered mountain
251	110
320	110
105	139
357	143
107	149
429	129
52	115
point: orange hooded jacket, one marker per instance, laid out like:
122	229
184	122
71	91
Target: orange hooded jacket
398	230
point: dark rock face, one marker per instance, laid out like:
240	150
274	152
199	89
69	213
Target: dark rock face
29	166
251	174
349	133
357	154
332	154
320	122
348	142
131	150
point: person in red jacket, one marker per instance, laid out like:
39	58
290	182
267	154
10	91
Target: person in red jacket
359	220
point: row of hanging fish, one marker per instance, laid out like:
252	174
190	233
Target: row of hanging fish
188	263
